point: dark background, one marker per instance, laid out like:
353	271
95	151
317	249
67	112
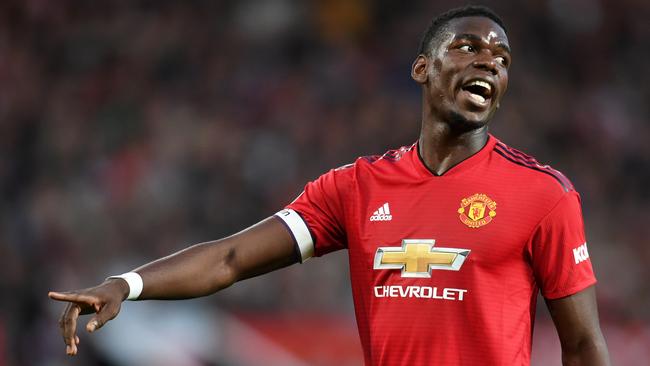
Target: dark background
131	129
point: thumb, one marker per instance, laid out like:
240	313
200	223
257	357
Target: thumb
106	313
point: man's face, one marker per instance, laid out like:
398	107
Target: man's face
467	73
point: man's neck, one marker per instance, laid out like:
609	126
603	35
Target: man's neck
441	148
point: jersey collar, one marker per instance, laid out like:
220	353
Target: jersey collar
463	166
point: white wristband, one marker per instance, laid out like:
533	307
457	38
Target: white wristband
135	284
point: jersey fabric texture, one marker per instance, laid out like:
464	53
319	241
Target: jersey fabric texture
448	271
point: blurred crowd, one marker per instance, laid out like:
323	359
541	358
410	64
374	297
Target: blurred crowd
131	129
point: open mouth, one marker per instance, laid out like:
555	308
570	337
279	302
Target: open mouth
479	91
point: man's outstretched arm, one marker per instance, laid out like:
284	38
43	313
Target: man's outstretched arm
576	321
199	270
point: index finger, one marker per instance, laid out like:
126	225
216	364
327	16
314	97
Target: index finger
70	296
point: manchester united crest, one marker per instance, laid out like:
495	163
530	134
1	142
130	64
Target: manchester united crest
477	210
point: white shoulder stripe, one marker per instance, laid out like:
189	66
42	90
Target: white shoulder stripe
299	231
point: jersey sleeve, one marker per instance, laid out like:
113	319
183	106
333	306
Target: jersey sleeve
316	218
559	253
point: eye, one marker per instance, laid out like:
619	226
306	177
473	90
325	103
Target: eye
502	60
466	48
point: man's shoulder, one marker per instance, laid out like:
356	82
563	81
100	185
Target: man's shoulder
526	169
390	156
391	159
391	165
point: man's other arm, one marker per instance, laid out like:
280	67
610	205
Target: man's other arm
576	321
199	270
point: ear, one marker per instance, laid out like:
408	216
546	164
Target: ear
419	69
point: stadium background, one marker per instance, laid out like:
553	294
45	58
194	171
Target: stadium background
130	129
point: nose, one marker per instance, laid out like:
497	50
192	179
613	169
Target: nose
485	62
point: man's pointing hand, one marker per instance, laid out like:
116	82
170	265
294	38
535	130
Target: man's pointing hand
103	300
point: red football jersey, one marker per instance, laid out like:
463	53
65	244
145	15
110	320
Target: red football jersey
445	269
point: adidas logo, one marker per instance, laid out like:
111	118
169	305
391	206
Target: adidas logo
382	214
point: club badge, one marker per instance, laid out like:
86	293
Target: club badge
477	210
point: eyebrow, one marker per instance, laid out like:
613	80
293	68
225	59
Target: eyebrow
504	46
474	37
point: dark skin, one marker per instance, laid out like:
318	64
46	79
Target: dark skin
454	127
199	270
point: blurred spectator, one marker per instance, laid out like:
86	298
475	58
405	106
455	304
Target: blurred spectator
129	130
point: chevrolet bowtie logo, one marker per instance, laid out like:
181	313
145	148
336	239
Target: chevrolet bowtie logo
417	257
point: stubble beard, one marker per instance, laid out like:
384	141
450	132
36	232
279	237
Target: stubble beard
460	124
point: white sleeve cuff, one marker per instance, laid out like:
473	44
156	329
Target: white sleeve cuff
135	284
299	231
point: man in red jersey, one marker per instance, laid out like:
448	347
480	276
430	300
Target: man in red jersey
449	239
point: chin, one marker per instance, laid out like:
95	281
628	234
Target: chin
466	121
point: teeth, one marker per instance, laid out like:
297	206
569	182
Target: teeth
477	98
482	84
